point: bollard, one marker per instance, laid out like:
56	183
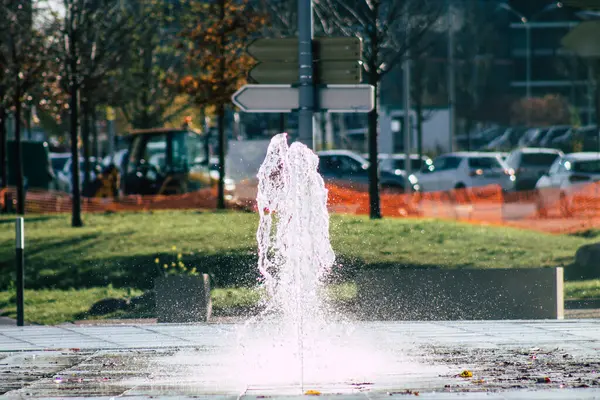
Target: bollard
20	263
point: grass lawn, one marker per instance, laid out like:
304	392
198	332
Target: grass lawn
127	250
581	290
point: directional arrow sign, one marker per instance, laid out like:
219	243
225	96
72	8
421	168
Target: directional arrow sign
326	49
284	98
330	72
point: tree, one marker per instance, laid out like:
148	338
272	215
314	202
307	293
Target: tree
148	74
388	29
94	37
477	42
25	52
215	36
541	111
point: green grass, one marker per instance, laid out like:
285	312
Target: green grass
581	290
48	307
121	250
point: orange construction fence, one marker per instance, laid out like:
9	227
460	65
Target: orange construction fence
549	210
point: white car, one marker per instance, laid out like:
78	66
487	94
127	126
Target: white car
567	176
463	170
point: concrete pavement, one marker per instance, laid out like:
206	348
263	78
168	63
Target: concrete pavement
508	360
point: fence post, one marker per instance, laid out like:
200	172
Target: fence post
20	263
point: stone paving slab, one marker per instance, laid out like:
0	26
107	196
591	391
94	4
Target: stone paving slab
361	360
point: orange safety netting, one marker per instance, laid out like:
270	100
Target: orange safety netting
547	210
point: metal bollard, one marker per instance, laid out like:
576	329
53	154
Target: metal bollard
20	263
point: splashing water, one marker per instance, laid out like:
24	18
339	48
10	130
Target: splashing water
293	234
294	253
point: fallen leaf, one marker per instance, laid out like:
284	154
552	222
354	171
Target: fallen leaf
312	393
466	374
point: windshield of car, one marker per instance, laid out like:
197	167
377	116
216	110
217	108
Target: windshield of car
484	163
538	159
587	167
415	164
59	163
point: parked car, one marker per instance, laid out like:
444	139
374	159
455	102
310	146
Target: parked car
552	133
462	170
507	141
396	163
348	169
531	136
477	140
58	161
64	176
529	164
580	140
118	159
37	165
566	177
577	140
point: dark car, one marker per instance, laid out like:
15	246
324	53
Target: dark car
507	141
348	169
552	133
37	166
529	164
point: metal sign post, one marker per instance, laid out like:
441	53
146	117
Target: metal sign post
20	263
306	92
306	74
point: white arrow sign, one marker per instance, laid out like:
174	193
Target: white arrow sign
284	98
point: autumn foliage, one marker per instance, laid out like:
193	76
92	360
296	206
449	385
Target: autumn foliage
541	111
215	38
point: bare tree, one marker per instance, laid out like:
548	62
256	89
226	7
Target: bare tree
25	51
147	77
94	36
476	43
388	30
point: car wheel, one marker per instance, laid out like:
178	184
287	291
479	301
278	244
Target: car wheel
565	206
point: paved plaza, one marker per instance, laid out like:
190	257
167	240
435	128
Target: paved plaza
508	360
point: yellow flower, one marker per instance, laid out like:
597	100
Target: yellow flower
193	271
156	260
181	265
174	248
165	266
173	264
179	256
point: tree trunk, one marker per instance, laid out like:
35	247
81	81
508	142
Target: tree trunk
74	94
417	95
3	165
221	114
374	205
221	188
95	149
373	116
419	111
19	154
85	137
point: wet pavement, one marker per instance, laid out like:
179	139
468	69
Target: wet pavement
497	360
